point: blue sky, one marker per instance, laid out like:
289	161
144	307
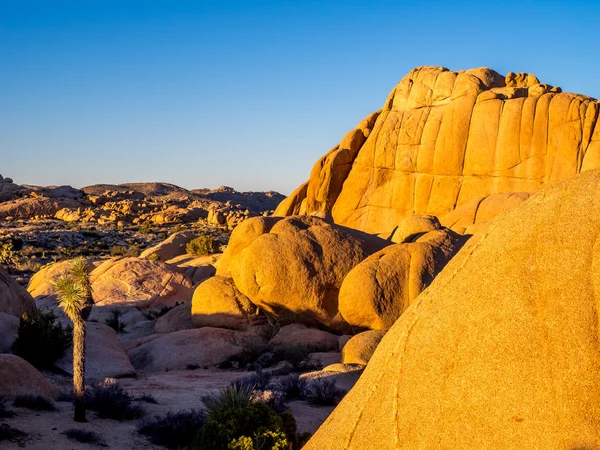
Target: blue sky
244	93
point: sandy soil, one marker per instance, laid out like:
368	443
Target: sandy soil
174	391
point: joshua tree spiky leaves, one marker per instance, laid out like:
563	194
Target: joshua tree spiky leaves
75	292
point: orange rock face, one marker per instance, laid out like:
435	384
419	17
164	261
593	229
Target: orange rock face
445	138
502	350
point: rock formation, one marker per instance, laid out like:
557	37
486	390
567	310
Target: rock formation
294	272
377	290
445	138
502	350
14	299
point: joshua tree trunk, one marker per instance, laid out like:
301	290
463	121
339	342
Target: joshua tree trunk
79	368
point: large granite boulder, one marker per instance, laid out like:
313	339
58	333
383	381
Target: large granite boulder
294	272
171	247
502	350
140	283
376	291
444	138
190	349
18	377
217	302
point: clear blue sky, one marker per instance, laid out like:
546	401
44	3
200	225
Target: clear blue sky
244	93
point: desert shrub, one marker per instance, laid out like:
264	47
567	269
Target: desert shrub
153	257
293	387
133	251
324	393
236	395
225	426
4	413
7	255
84	436
117	250
173	430
110	401
202	246
8	433
258	381
113	320
34	402
41	340
145	228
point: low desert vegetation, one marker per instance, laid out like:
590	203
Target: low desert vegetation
324	393
84	436
202	246
34	403
41	340
110	401
256	357
235	420
293	387
173	430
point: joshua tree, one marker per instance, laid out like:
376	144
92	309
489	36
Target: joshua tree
75	292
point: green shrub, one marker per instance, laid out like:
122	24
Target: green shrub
41	340
110	401
117	250
145	228
153	257
34	402
7	255
224	427
202	246
173	430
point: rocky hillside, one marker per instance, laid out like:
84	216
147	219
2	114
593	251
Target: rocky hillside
443	139
132	203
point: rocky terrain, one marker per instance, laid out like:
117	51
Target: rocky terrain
40	225
446	248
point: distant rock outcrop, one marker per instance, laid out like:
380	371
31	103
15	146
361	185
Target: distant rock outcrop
443	139
502	350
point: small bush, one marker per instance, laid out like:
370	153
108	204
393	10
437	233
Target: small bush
34	402
325	393
84	436
259	381
133	251
110	401
225	426
236	395
173	430
202	246
4	413
293	387
8	433
41	340
117	250
113	320
153	257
